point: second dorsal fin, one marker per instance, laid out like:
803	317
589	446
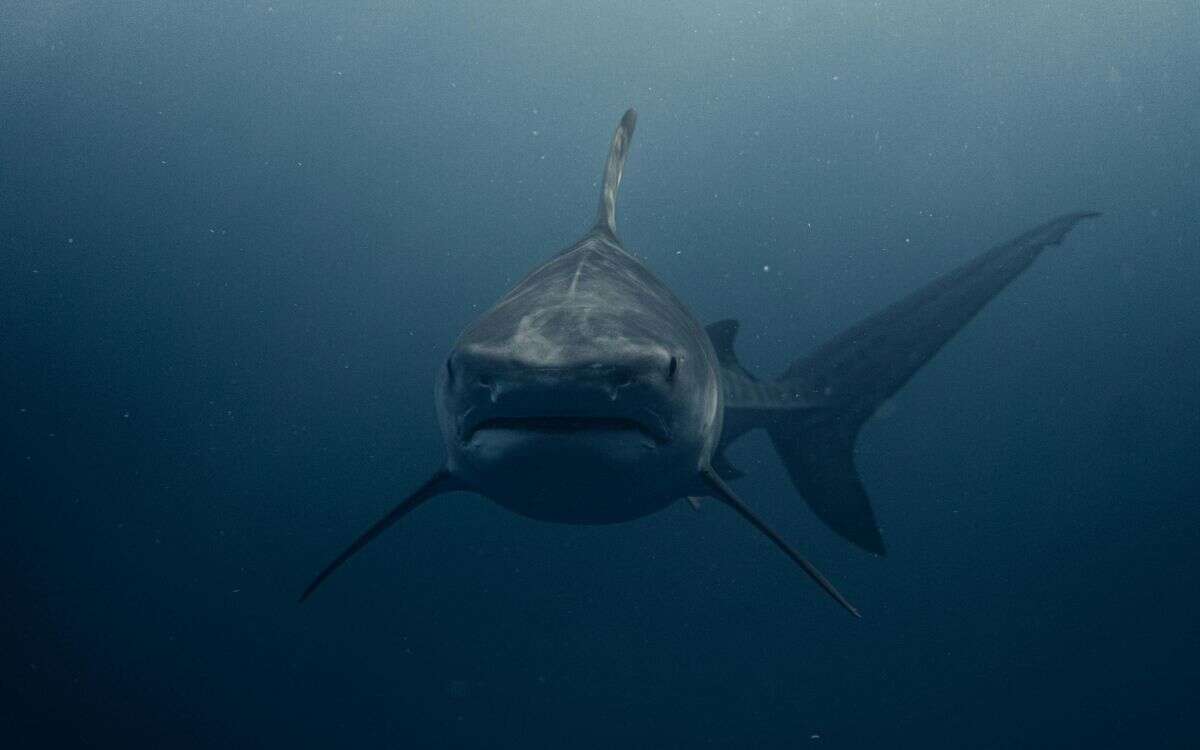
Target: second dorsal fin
722	333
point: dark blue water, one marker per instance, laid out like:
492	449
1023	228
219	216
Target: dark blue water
238	239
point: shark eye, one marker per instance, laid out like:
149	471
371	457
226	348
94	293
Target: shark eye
450	369
671	368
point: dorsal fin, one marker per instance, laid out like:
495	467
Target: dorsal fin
722	333
606	219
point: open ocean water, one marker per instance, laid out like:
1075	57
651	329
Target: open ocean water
238	239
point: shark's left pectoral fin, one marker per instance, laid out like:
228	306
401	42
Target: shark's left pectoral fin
723	493
441	482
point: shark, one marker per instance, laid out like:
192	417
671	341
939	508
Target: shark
590	394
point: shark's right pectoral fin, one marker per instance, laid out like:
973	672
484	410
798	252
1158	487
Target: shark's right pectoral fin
722	492
441	482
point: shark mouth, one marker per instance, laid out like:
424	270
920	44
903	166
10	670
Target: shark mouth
569	425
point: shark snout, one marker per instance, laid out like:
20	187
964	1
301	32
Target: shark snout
607	372
552	383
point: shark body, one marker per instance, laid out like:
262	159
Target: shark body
590	394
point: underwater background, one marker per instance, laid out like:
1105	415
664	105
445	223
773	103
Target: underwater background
238	239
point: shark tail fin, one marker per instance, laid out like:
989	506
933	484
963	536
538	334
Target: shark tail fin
848	378
606	219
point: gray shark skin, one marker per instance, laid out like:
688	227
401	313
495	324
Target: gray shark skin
589	394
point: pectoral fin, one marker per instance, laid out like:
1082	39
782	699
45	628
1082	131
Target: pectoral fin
722	492
439	483
724	469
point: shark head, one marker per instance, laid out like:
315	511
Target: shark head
588	393
583	395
